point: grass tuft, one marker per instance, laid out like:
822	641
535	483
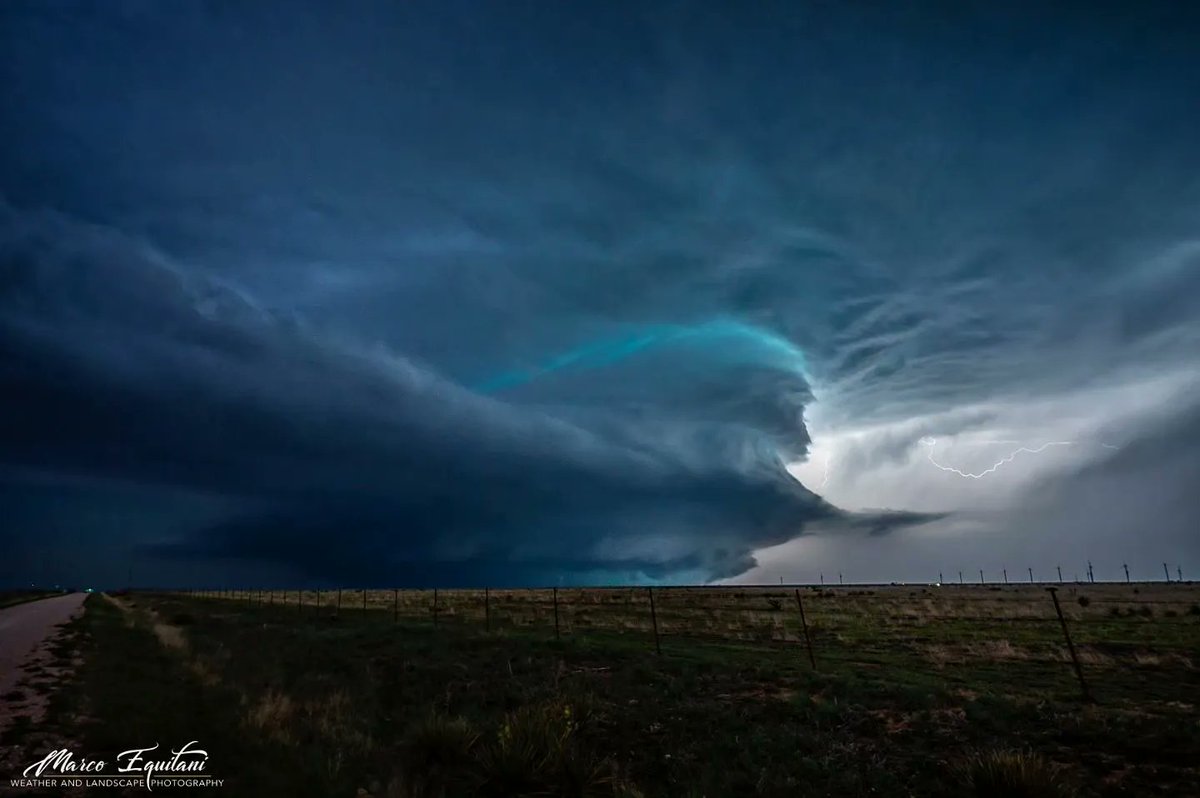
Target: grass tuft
537	752
1010	774
436	758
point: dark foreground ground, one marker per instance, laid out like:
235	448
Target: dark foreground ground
910	697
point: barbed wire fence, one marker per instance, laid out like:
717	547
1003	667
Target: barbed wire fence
1111	638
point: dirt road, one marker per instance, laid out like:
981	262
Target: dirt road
23	628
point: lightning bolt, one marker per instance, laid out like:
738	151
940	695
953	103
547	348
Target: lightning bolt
825	481
932	442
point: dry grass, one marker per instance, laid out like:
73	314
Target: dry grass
170	636
1010	774
1086	654
536	751
997	650
273	715
988	650
950	625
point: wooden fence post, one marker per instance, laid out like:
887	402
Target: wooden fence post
556	637
1087	696
804	624
654	620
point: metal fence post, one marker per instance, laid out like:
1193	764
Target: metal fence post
804	624
1087	696
654	620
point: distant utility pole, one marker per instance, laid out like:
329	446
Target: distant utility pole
1006	576
940	580
1031	576
981	576
960	577
1059	574
822	578
1165	571
1125	565
1091	578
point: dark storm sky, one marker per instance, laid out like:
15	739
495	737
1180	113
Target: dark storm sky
417	293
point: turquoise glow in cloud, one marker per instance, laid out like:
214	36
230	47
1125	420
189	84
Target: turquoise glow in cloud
723	340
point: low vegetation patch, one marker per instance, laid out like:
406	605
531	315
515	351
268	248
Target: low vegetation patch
909	696
1011	774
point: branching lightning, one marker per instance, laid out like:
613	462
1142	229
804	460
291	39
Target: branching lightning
931	442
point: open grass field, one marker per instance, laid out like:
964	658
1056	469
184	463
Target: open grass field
915	687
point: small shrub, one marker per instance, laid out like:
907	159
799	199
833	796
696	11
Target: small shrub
436	756
537	752
1010	774
273	715
1114	612
775	604
1084	601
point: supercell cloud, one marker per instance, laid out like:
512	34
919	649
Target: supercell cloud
445	294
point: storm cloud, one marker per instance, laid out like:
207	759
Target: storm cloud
118	363
435	293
